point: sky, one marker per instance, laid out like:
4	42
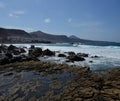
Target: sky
87	19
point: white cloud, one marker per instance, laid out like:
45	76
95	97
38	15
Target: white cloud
16	14
2	5
47	20
69	20
13	15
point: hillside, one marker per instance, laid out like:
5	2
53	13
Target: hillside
49	37
21	36
13	35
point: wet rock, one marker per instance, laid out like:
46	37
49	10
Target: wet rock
32	47
61	55
4	60
87	92
73	58
47	52
8	74
3	48
16	59
15	50
35	52
82	55
56	85
78	99
0	51
91	61
22	50
9	55
95	56
71	53
11	48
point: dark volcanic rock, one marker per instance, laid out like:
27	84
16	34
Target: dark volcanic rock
9	55
95	56
3	48
75	58
47	52
32	47
4	60
61	55
16	59
11	48
82	54
35	52
91	61
15	50
71	53
8	74
22	50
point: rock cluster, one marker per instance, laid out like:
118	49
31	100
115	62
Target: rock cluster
11	54
83	85
76	57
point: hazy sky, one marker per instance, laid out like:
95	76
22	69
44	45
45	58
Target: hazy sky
89	19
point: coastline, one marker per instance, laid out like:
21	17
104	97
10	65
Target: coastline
63	82
28	78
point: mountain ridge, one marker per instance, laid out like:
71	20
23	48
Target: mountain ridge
21	36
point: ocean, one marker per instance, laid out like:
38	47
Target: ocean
109	56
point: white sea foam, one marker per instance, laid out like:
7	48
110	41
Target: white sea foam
109	55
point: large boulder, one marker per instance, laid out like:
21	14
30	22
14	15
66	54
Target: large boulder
35	52
82	55
73	58
61	55
22	50
32	47
4	60
15	50
9	55
11	48
47	52
71	53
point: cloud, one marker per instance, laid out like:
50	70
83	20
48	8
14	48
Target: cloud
13	15
47	20
2	5
16	14
69	20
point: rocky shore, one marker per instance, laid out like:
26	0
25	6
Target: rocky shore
24	77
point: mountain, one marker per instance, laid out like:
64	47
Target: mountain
39	35
73	37
13	35
21	36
